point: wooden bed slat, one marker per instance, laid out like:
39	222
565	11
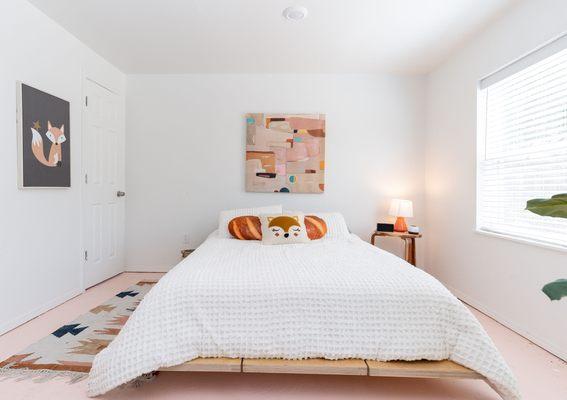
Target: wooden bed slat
208	365
319	366
314	366
420	369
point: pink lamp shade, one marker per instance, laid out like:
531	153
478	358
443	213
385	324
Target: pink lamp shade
401	209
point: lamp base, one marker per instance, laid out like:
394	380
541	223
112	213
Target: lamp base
400	225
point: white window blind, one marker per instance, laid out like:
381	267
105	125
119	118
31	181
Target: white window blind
522	146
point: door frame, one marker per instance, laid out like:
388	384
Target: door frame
85	78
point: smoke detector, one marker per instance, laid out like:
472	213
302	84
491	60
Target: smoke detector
295	13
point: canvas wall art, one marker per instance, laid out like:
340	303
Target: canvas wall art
285	153
44	139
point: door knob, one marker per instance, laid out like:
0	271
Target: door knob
120	194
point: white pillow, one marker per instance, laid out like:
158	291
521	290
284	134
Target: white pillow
283	229
226	215
336	224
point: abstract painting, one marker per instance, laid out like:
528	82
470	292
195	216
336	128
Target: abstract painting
285	153
43	139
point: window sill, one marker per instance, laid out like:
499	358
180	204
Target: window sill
530	242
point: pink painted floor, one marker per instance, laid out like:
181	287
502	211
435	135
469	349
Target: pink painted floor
541	375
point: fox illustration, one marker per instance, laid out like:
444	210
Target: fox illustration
284	226
57	137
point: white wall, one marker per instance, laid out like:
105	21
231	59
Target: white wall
500	277
185	152
40	241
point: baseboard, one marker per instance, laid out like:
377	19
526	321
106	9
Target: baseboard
161	268
8	326
550	347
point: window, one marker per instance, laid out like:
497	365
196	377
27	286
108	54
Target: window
522	145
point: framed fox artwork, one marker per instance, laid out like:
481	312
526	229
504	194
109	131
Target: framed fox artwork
44	139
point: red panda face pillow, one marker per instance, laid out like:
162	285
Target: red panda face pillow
283	229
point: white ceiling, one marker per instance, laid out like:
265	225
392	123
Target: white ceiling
182	36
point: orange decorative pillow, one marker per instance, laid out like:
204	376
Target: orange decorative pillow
248	227
316	227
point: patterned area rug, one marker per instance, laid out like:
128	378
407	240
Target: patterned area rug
71	349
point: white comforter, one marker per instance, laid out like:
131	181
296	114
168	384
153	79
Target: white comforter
332	299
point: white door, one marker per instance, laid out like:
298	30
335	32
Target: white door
103	179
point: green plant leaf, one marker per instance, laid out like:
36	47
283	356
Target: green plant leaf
554	207
555	290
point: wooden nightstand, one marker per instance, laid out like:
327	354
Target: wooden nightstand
408	238
186	252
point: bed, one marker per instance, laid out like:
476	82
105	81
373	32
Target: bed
240	306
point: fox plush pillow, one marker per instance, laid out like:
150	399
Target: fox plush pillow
283	229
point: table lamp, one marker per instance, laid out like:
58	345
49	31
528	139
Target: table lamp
400	209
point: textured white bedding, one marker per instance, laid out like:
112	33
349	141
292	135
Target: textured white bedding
340	298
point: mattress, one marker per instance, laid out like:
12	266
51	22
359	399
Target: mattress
333	298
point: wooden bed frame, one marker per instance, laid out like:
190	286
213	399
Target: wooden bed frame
318	366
